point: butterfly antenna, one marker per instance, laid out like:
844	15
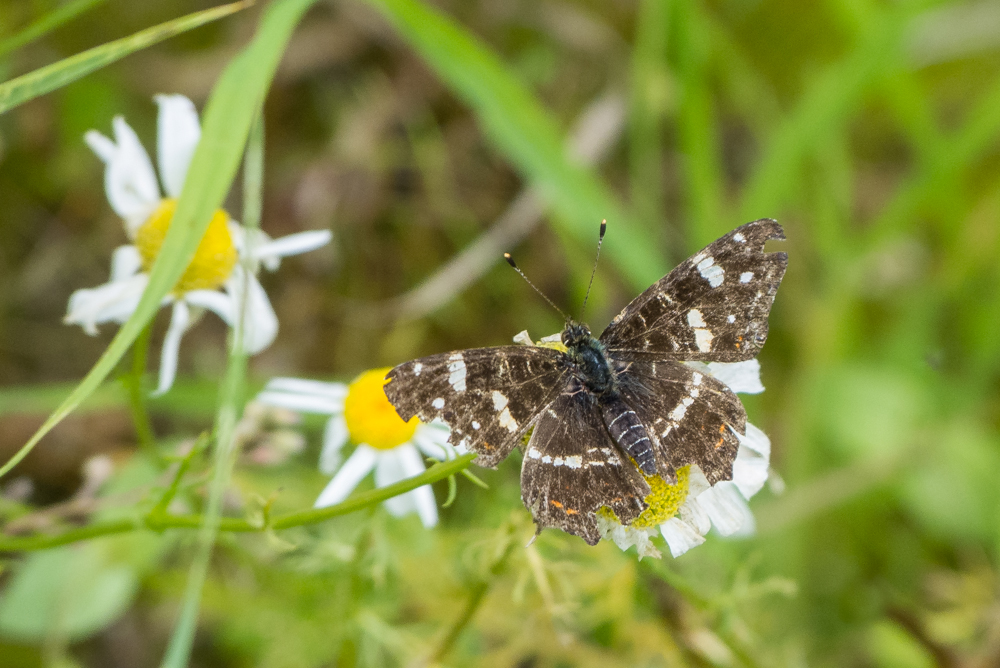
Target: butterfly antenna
510	261
600	240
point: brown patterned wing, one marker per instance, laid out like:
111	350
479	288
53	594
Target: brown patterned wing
572	467
488	396
690	416
713	307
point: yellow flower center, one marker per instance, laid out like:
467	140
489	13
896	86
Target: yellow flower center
214	260
664	500
370	417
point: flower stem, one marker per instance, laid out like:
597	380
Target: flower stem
137	397
159	520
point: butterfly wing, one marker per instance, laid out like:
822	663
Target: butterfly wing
713	307
572	467
488	396
691	417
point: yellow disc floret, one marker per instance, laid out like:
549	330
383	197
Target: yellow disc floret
370	417
664	500
214	260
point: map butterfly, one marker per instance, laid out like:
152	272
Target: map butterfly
612	409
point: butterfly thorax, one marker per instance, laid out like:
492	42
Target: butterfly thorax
589	358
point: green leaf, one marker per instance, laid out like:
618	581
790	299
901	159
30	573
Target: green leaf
526	133
57	17
51	77
227	119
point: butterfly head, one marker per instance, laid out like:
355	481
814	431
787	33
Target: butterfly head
575	334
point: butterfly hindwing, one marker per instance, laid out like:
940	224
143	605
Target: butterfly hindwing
572	467
692	417
488	396
713	307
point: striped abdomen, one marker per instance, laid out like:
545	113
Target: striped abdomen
630	435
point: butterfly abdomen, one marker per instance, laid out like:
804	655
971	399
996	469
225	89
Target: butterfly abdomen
628	432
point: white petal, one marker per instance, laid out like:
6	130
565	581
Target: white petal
752	465
303	403
331	391
129	180
334	438
217	302
692	514
357	466
741	377
680	537
177	136
389	471
726	507
293	244
260	324
432	440
171	346
697	482
423	498
111	302
125	262
101	145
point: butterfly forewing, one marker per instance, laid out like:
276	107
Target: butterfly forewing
713	307
572	467
488	396
691	417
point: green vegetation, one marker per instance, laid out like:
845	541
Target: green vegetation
430	138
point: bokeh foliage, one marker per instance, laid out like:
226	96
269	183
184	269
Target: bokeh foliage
417	131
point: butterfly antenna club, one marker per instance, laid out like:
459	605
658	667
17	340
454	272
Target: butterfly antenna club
511	262
600	240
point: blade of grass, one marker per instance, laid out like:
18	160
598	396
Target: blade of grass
57	17
227	119
826	104
525	132
648	101
231	400
49	78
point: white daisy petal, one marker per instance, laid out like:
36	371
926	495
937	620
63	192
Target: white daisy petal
303	403
694	515
111	302
293	244
217	302
260	324
423	499
125	263
726	507
433	441
334	437
129	179
390	470
104	147
177	135
680	536
331	391
757	441
171	346
741	377
357	466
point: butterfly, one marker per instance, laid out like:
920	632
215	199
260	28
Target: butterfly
610	410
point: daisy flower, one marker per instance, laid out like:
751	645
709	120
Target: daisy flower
227	259
361	413
683	513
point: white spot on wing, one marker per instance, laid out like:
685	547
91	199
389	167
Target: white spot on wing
476	425
507	421
731	319
695	319
438	403
456	365
499	400
711	272
746	277
534	453
739	237
546	459
573	461
696	378
417	368
703	339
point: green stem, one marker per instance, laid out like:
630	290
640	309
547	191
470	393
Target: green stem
159	520
137	397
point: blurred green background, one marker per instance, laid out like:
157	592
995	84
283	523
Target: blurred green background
868	129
